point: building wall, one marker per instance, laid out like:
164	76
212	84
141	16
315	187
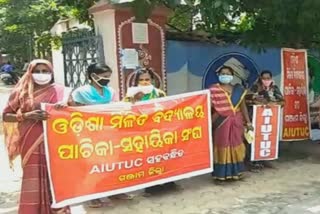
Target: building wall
192	65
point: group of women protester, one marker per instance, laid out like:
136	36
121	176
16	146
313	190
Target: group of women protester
230	116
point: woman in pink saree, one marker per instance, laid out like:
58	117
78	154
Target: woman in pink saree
228	117
23	111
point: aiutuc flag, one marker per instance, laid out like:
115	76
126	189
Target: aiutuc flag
99	151
266	122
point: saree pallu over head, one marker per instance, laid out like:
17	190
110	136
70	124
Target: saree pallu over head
23	93
20	137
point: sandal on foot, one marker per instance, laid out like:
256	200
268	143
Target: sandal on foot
65	210
269	165
172	186
122	197
97	203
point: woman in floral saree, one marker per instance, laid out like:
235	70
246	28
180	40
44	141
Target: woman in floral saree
23	112
229	113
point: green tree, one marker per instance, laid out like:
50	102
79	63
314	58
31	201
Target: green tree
25	26
291	23
79	8
258	23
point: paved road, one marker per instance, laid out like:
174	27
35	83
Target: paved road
9	179
292	188
4	95
5	171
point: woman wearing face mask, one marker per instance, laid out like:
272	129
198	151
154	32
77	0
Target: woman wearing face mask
229	112
97	92
264	92
145	77
23	112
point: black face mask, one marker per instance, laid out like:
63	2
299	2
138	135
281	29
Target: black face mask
103	82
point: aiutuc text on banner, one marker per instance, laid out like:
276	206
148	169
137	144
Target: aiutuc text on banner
296	124
266	122
98	151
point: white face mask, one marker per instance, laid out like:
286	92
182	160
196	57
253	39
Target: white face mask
42	79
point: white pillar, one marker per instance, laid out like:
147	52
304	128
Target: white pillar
57	56
105	27
58	66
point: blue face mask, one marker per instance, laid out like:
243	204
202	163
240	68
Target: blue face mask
225	79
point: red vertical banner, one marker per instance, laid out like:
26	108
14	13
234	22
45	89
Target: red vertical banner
266	121
295	123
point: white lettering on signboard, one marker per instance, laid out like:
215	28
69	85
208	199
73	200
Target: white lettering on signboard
266	130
